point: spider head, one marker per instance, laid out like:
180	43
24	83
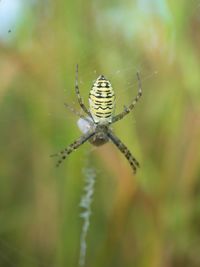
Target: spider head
99	139
101	136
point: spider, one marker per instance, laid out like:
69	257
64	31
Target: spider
100	115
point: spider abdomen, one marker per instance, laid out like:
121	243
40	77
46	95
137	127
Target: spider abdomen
102	100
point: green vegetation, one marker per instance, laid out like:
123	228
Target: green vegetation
148	220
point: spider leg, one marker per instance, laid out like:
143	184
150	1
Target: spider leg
80	100
77	113
132	105
66	151
73	110
132	161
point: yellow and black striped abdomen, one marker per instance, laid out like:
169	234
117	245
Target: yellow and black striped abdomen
102	100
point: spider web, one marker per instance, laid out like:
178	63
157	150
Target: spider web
122	76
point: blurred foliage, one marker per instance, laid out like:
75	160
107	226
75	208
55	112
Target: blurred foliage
150	220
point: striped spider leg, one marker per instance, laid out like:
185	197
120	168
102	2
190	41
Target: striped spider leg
68	150
80	100
132	105
132	161
78	114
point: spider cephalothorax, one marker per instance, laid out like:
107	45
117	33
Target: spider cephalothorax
96	125
101	135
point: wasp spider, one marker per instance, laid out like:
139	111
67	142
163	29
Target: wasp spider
100	115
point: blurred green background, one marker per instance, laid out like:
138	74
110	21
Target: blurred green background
148	220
